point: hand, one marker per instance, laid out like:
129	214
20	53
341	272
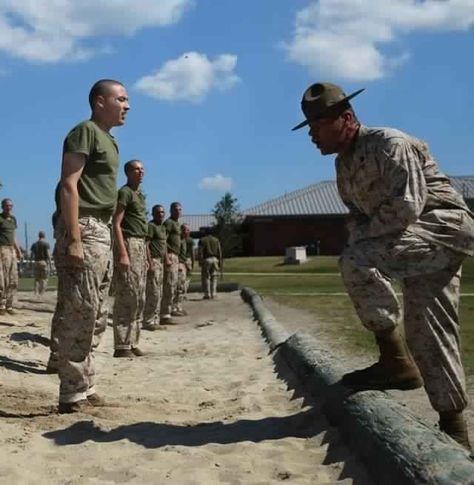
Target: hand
124	262
75	253
150	265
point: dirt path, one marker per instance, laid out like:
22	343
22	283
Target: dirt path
204	406
299	320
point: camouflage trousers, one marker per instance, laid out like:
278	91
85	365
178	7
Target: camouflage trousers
180	287
170	283
430	279
8	276
209	269
58	317
187	282
41	276
153	292
56	321
81	318
129	290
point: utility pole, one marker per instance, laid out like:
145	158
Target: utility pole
26	240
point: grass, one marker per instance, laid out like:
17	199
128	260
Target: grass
28	284
274	264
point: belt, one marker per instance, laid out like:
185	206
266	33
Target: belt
103	215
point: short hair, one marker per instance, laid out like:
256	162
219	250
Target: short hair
185	227
41	235
127	166
156	207
100	88
4	201
173	205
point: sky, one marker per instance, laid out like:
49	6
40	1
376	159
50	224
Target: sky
215	87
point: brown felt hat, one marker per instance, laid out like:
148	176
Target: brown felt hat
322	100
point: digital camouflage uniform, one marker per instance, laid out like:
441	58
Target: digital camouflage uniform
83	291
210	255
189	263
170	274
40	255
407	223
184	272
53	361
129	285
8	262
154	278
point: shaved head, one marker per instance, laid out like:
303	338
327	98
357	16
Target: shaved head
101	88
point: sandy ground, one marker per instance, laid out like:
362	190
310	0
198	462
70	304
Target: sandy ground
417	401
206	405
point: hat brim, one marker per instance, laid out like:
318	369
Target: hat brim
347	98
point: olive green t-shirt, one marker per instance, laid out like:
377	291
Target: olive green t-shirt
97	185
7	230
157	236
210	247
190	248
173	231
40	250
183	249
57	201
134	219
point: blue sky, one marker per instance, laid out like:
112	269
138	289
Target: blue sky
215	87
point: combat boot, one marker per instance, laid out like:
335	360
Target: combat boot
454	425
96	401
138	352
123	353
81	406
395	368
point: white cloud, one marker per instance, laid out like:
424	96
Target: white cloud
56	30
343	38
218	182
190	77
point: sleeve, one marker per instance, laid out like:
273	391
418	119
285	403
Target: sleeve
80	140
357	221
124	196
149	232
403	189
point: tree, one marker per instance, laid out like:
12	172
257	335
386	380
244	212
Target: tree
228	225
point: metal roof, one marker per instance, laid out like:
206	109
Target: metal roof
196	221
320	198
464	184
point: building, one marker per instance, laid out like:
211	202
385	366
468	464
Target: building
313	216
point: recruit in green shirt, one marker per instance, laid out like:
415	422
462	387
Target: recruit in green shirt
183	249
173	230
210	247
40	250
157	237
134	219
97	185
7	230
186	249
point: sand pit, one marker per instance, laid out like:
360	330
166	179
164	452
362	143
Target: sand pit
204	406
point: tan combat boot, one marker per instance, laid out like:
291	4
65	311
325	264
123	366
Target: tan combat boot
454	425
395	369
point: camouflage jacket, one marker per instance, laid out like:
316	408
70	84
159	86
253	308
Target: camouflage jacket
391	184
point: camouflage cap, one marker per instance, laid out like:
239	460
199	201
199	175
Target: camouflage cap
322	100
